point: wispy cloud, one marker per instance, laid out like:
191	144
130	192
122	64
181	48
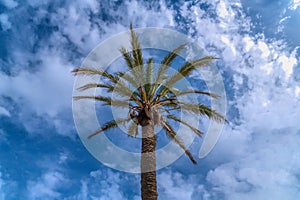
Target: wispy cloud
2	194
4	112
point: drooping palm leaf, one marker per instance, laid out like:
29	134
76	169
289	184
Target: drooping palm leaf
109	125
92	71
183	92
203	110
171	105
120	88
123	89
172	134
96	85
105	100
198	132
129	78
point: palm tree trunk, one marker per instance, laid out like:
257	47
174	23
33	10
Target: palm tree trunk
148	163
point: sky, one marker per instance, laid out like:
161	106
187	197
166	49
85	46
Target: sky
258	154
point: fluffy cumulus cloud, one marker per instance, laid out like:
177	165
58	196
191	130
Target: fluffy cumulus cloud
43	66
175	185
48	91
52	179
45	187
10	3
5	23
4	112
107	184
295	4
261	146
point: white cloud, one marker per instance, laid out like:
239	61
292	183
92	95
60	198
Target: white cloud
288	64
4	112
7	185
46	186
262	173
297	91
222	10
47	91
105	184
74	17
256	151
264	49
52	180
144	16
2	194
174	185
3	136
10	3
5	23
295	4
248	43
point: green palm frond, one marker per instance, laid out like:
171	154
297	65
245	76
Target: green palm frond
171	133
165	64
120	88
127	57
136	49
183	92
123	89
171	56
108	125
185	71
198	132
92	71
173	105
148	78
138	62
194	108
105	100
203	110
96	85
149	71
133	69
129	78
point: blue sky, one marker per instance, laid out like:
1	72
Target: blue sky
257	156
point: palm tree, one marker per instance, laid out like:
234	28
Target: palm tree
153	103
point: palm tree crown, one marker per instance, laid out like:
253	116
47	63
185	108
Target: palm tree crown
155	99
152	100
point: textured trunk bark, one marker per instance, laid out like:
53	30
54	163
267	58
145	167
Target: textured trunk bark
148	163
